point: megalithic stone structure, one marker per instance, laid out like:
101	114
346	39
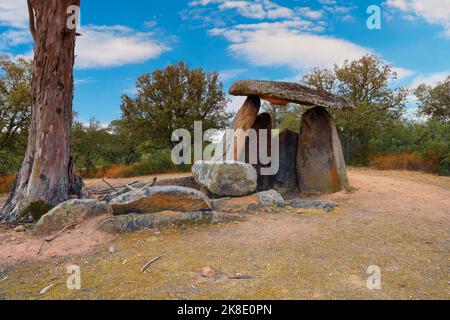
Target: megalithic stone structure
319	162
244	120
263	122
286	181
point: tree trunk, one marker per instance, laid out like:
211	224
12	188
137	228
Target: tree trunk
48	172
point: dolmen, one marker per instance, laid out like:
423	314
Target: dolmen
312	161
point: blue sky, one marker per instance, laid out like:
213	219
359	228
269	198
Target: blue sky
262	39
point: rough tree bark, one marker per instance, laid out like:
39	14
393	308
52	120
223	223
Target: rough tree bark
48	173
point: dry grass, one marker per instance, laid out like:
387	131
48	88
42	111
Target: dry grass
6	183
397	222
401	161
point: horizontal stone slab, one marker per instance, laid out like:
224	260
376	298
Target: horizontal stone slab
157	199
282	93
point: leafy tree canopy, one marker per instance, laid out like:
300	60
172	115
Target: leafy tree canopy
173	98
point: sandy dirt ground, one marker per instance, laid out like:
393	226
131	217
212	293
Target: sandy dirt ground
398	221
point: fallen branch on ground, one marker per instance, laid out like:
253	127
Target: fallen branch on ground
149	263
110	185
48	240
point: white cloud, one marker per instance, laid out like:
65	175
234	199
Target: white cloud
14	13
14	37
429	79
110	46
433	11
227	75
289	44
14	16
98	47
310	13
235	103
254	9
403	73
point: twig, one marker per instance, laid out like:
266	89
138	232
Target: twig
48	240
130	187
151	184
149	263
111	186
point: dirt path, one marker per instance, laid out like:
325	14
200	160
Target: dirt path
395	220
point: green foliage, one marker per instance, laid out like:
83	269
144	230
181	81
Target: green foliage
15	111
285	117
430	140
37	209
173	98
437	154
156	162
434	102
366	82
90	145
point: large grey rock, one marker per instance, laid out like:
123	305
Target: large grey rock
226	179
138	222
69	213
327	206
320	160
285	181
157	199
282	93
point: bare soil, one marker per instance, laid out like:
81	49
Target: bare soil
399	221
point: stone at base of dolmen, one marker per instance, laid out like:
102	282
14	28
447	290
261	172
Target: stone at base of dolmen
324	205
68	213
227	178
269	199
263	122
157	199
285	181
320	161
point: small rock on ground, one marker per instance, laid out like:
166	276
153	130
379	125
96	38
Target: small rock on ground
255	201
326	206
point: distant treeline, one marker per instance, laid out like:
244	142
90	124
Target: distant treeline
377	133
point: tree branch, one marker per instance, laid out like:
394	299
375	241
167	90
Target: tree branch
32	21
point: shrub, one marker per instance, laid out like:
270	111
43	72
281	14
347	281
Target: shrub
115	171
437	154
153	163
37	209
157	162
6	183
400	161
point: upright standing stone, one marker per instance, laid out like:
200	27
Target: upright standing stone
245	118
285	181
320	161
262	122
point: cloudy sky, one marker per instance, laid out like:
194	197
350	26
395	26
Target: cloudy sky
261	39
